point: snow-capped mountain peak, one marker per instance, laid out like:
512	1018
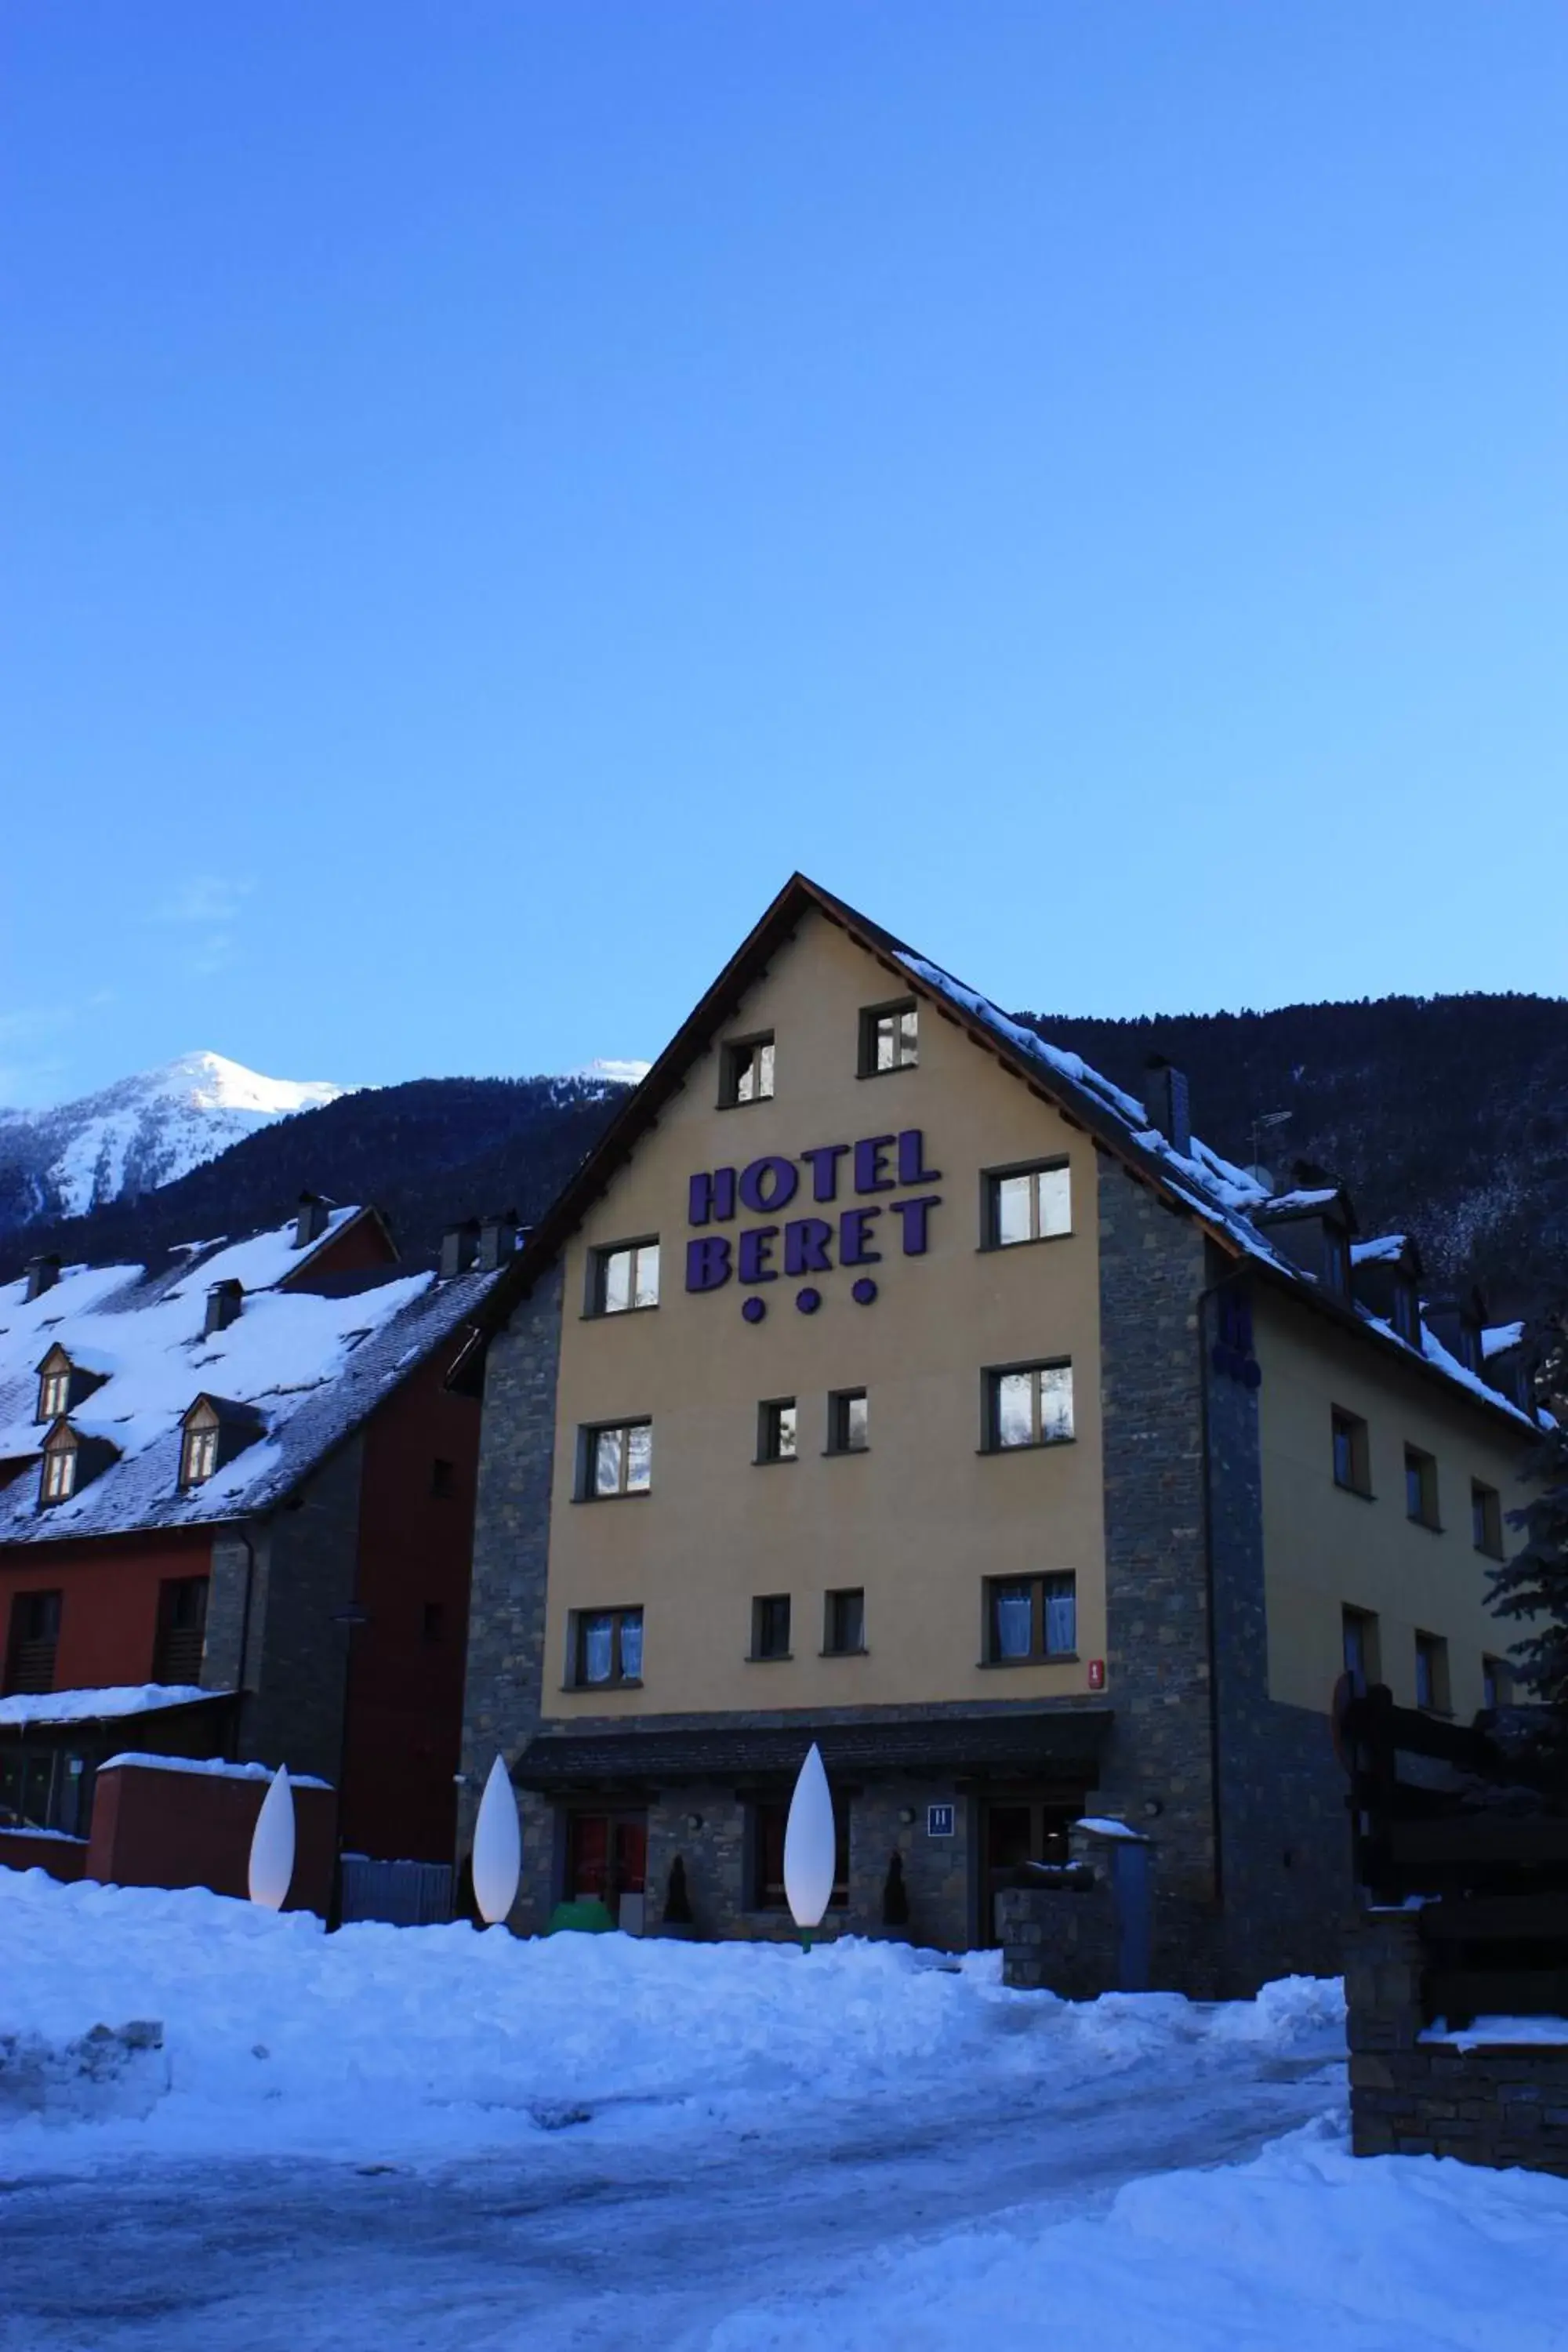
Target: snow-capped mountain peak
141	1132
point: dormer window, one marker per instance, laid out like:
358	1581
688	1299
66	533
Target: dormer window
1407	1318
1336	1259
59	1469
64	1384
212	1432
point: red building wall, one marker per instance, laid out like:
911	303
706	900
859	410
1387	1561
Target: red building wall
405	1671
109	1598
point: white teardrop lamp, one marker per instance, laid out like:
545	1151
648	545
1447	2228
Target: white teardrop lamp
272	1845
497	1848
809	1848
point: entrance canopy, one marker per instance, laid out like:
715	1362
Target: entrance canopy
1060	1743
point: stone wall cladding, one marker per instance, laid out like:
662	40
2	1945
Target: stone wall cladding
1061	1940
1284	1831
229	1593
292	1711
1152	1278
1500	2106
503	1688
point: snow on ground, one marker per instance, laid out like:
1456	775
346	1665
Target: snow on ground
1304	2247
279	2036
441	2139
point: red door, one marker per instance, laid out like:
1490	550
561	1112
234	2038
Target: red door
606	1855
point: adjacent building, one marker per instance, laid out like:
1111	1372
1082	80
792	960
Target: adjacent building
889	1379
235	1513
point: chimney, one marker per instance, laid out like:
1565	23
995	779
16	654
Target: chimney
224	1301
311	1223
1165	1103
460	1246
42	1273
497	1239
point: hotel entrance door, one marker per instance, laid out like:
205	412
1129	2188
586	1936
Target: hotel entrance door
1021	1827
607	1857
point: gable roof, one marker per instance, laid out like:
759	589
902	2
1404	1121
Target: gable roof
302	1367
1230	1204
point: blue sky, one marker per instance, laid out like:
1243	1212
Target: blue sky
488	490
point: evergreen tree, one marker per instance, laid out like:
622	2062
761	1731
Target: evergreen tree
1533	1584
895	1894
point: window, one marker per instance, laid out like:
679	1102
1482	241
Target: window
198	1453
182	1630
746	1072
770	1626
1407	1313
54	1393
1363	1663
1420	1487
443	1479
778	1430
890	1038
1028	1617
1029	1404
847	1426
767	1825
1496	1683
1351	1457
625	1277
1336	1260
35	1635
59	1472
1028	1204
1486	1519
617	1460
606	1647
1432	1673
844	1623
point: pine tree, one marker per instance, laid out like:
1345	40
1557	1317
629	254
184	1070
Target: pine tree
1533	1584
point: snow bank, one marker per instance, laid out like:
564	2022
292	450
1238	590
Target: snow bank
1303	2248
279	2036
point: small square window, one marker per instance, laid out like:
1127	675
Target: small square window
778	1430
844	1623
770	1626
617	1459
1029	1204
1031	1619
1420	1487
1363	1663
606	1646
849	1428
746	1071
890	1038
1350	1453
1486	1519
1029	1404
625	1277
1432	1673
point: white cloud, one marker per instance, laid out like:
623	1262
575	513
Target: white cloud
204	899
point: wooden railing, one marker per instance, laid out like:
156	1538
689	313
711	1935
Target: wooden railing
1471	1821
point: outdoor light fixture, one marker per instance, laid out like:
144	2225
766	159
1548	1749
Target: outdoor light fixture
694	1821
808	1850
497	1848
907	1815
272	1845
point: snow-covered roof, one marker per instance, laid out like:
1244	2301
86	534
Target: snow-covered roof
211	1767
102	1705
310	1365
1230	1199
1381	1249
1500	1338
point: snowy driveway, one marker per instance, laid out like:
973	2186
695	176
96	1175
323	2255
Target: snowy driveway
594	2234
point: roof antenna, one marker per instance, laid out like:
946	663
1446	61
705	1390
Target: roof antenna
1263	1121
